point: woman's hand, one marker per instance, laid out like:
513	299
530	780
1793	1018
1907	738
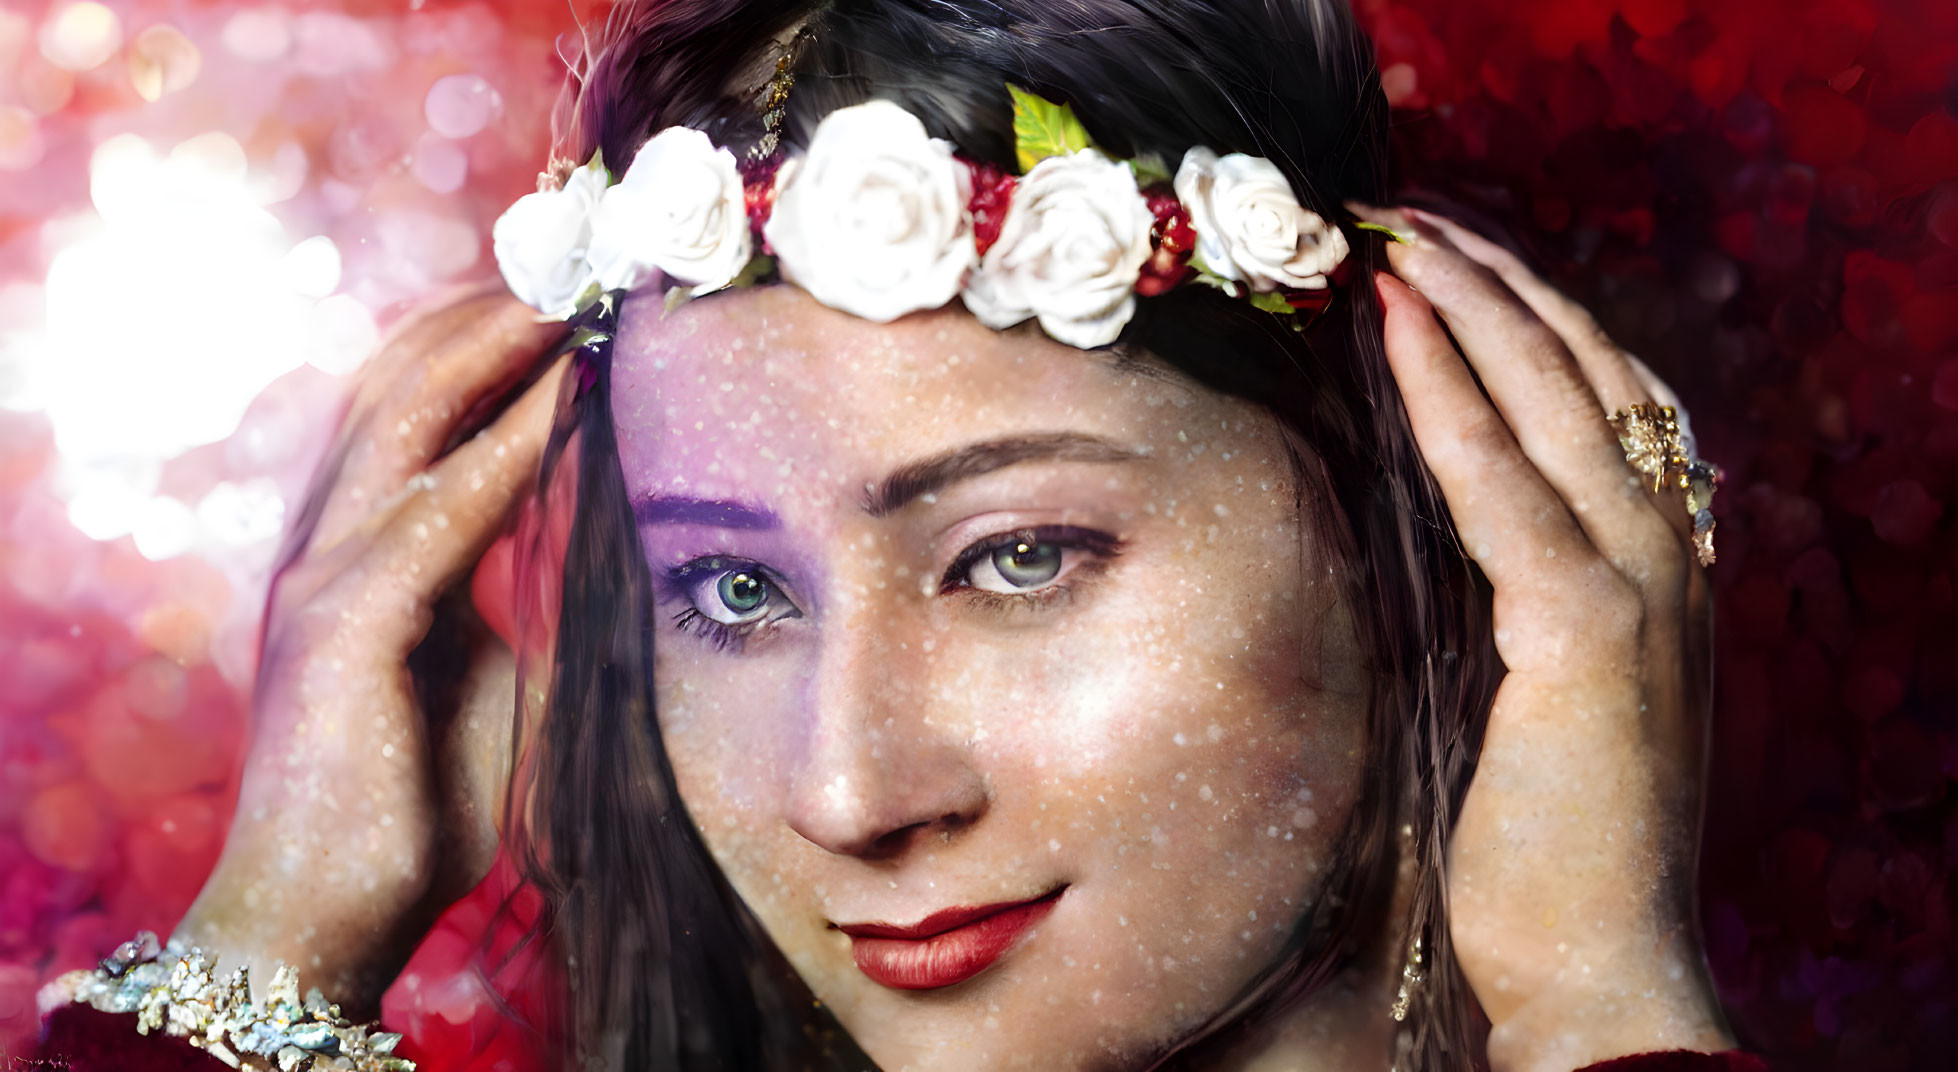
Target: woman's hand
1571	867
339	842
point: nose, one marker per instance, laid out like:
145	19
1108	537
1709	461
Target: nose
878	773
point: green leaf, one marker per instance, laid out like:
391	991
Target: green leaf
1388	231
590	294
759	267
1271	302
1211	279
1042	129
1149	171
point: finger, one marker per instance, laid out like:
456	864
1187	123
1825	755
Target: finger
1602	360
1657	389
407	341
453	333
468	354
457	508
463	350
504	341
1511	521
429	320
1618	378
1661	392
1540	391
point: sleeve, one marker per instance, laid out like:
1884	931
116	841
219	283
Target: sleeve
1682	1061
76	1038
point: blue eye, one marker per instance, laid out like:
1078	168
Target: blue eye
740	594
1021	564
1031	560
727	601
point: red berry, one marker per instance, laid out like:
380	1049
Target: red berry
992	196
758	195
1174	240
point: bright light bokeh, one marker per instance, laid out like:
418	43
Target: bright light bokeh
205	208
162	61
78	37
167	311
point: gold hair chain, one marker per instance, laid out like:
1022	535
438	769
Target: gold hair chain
774	102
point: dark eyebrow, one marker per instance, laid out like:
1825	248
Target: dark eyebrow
680	510
919	478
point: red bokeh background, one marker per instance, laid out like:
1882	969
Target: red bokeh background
1760	197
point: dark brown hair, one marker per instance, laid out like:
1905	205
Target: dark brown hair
668	970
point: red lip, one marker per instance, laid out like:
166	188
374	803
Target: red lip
945	947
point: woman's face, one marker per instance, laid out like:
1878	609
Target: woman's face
1001	680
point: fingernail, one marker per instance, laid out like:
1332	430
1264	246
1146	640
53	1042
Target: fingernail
1393	288
1426	227
1373	213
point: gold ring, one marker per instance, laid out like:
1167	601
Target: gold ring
1655	447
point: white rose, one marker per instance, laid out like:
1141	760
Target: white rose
679	210
871	220
1069	251
541	242
1249	225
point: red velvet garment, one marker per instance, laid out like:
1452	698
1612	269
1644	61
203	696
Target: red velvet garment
1682	1061
81	1039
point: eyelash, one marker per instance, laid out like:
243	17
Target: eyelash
732	636
722	635
1100	545
726	636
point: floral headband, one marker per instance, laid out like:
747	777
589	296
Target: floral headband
879	219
